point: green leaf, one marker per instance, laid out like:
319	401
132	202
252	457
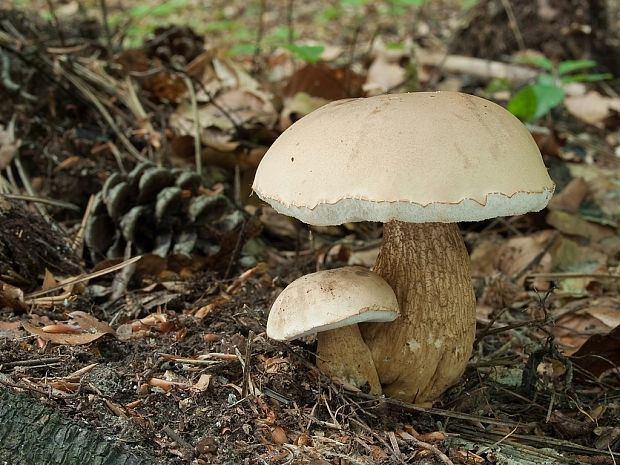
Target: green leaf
242	49
587	77
534	101
353	3
569	66
280	35
416	3
538	61
308	53
220	26
468	4
546	80
330	13
497	85
165	9
548	97
523	104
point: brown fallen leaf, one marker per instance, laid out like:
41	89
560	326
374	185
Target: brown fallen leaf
569	199
600	353
92	329
324	81
574	225
388	69
12	297
203	383
10	329
278	435
592	108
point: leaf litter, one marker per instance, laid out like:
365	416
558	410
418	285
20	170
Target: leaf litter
176	344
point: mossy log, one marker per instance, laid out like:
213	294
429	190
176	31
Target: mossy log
33	433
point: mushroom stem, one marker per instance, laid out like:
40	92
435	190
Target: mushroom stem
343	354
424	351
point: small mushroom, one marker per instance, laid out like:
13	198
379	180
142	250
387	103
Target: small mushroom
331	303
419	162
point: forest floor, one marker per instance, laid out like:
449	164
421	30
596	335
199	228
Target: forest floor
166	355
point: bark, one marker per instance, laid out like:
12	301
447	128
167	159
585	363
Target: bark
425	351
32	433
343	354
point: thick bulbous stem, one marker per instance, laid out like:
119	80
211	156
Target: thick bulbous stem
424	351
343	354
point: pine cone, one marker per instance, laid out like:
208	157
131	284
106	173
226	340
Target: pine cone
158	210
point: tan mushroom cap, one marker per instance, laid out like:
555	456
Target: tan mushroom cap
330	299
416	157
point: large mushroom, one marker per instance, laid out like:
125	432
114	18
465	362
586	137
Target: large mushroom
419	162
331	303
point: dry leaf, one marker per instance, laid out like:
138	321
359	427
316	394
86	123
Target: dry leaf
278	435
574	225
298	106
592	107
12	297
569	199
49	281
571	257
203	383
516	254
91	330
573	329
10	329
599	353
325	82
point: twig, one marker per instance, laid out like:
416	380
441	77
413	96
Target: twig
511	326
514	26
61	36
538	257
574	275
78	240
260	31
106	25
432	449
89	94
246	365
5	74
35	199
26	182
368	429
477	67
194	103
45	73
83	278
290	8
205	359
211	100
29	363
440	412
186	446
541	440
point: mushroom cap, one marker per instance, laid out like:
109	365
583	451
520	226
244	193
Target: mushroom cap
331	299
416	157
